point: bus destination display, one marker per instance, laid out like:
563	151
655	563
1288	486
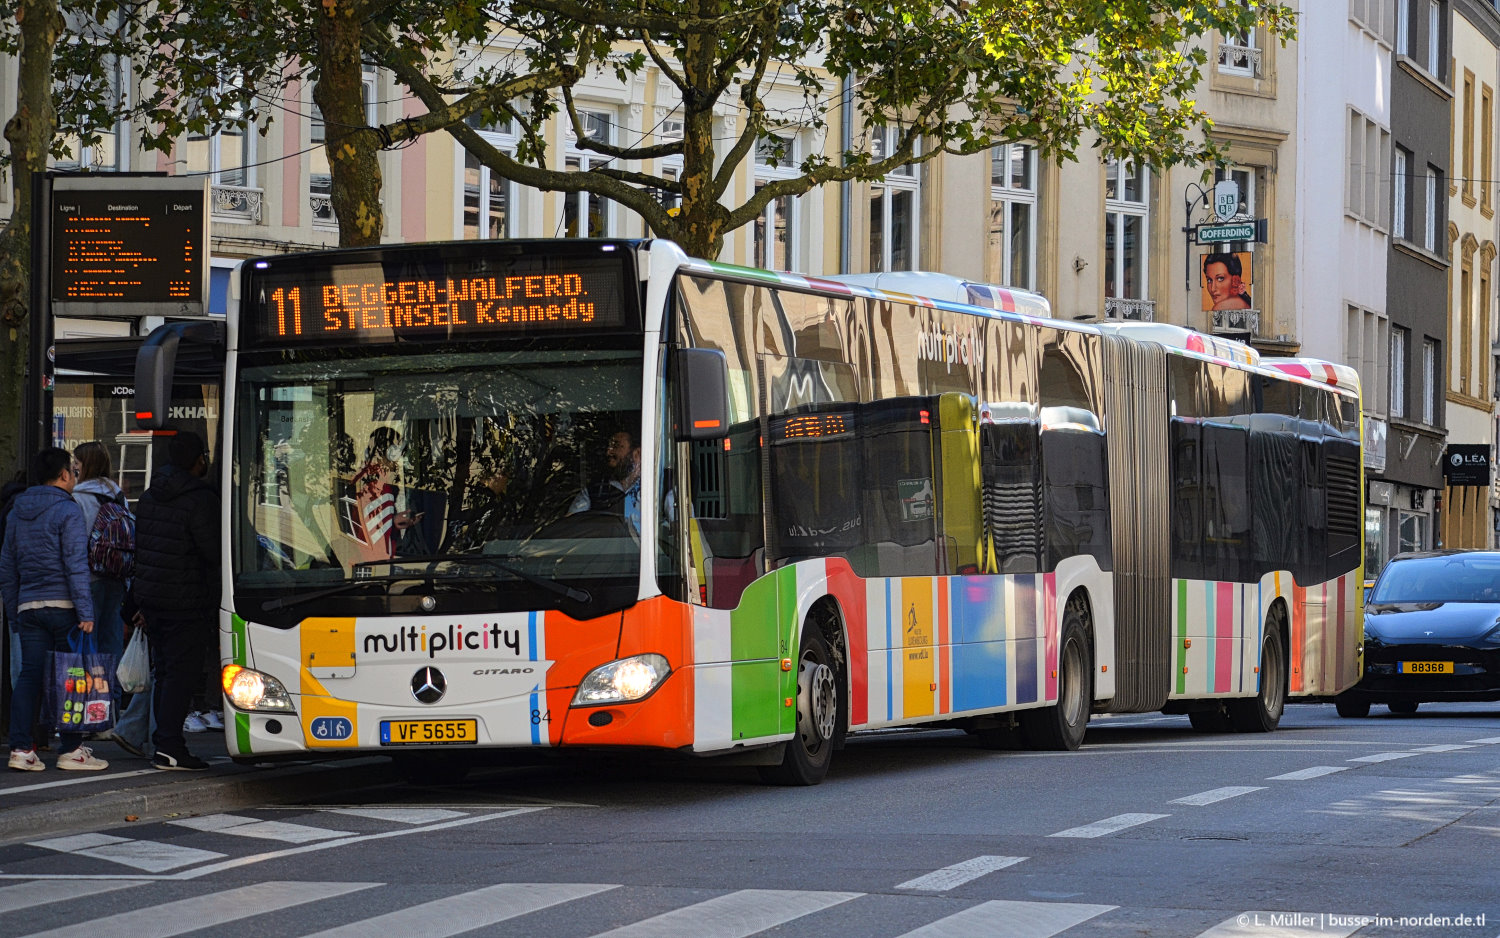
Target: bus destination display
129	251
376	302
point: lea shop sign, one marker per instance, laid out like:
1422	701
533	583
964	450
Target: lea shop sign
1467	464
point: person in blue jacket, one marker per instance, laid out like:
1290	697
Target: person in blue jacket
44	580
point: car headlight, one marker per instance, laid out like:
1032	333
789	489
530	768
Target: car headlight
622	681
252	690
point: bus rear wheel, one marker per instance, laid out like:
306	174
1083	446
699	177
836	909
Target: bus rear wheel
1061	727
809	752
1262	713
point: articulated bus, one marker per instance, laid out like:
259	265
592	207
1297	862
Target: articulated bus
600	494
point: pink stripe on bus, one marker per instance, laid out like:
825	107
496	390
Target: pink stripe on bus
1050	627
1224	636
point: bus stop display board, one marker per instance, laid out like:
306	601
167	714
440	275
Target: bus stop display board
129	246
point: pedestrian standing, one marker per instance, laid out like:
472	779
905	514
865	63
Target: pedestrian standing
94	490
176	586
44	579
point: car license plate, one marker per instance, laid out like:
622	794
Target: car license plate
428	732
1424	667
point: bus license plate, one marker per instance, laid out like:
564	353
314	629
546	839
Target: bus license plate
428	732
1424	667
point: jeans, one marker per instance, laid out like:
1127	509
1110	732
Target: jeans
138	723
41	630
109	625
15	653
176	672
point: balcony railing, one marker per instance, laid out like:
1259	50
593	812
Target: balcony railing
1233	58
1117	307
238	203
1237	323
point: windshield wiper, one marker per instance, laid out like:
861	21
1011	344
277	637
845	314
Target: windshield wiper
297	599
552	586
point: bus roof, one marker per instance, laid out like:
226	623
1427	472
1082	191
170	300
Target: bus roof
1314	369
1181	337
941	286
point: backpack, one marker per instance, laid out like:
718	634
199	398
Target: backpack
112	539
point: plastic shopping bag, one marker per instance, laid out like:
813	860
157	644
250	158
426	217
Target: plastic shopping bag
134	672
80	694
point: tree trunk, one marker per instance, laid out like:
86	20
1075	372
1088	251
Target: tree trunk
29	132
352	147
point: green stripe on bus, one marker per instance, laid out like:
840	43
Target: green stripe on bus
242	733
241	656
756	677
1182	621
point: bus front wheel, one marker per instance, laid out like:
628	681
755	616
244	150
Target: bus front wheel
809	752
1061	726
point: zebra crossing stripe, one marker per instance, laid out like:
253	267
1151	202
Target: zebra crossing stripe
1443	747
1109	825
1217	794
145	855
203	912
959	873
1383	757
467	911
1011	919
733	916
26	895
1316	771
400	815
238	826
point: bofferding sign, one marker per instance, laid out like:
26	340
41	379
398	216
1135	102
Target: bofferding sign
1467	464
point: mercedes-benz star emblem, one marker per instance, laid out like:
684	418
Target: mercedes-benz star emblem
428	685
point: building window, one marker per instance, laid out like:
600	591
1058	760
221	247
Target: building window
1126	229
490	200
586	215
1403	27
1368	166
1430	379
1399	202
1374	15
1486	148
104	154
895	207
320	175
668	131
1368	350
1434	38
1467	153
1432	211
775	233
1239	54
226	156
1013	187
1400	339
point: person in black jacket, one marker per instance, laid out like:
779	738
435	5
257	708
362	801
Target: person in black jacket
176	588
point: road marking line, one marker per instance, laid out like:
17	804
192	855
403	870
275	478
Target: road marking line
734	915
203	912
1217	794
149	855
1316	771
77	842
101	777
1286	925
1002	918
468	911
1383	757
26	895
959	873
238	826
400	815
1444	747
276	854
1487	741
1109	825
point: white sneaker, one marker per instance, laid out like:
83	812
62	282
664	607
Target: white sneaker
212	719
25	760
81	760
194	723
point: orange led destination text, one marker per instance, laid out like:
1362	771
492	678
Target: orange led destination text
472	302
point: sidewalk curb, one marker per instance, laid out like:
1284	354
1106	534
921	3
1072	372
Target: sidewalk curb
191	795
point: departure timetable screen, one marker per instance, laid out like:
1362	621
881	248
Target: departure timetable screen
437	293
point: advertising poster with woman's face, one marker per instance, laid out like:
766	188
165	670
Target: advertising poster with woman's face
1226	280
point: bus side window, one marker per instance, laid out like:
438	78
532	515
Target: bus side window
1075	473
1185	437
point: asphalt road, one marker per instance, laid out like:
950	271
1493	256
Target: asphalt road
1383	826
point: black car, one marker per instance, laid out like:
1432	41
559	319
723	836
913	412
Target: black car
1432	633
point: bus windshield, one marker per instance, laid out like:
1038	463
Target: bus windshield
467	480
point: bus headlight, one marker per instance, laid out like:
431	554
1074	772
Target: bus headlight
622	681
252	690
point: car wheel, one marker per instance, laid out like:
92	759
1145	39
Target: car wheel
819	704
1061	727
1262	713
1403	707
1352	708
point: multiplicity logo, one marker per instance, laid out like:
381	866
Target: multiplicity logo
950	348
454	638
